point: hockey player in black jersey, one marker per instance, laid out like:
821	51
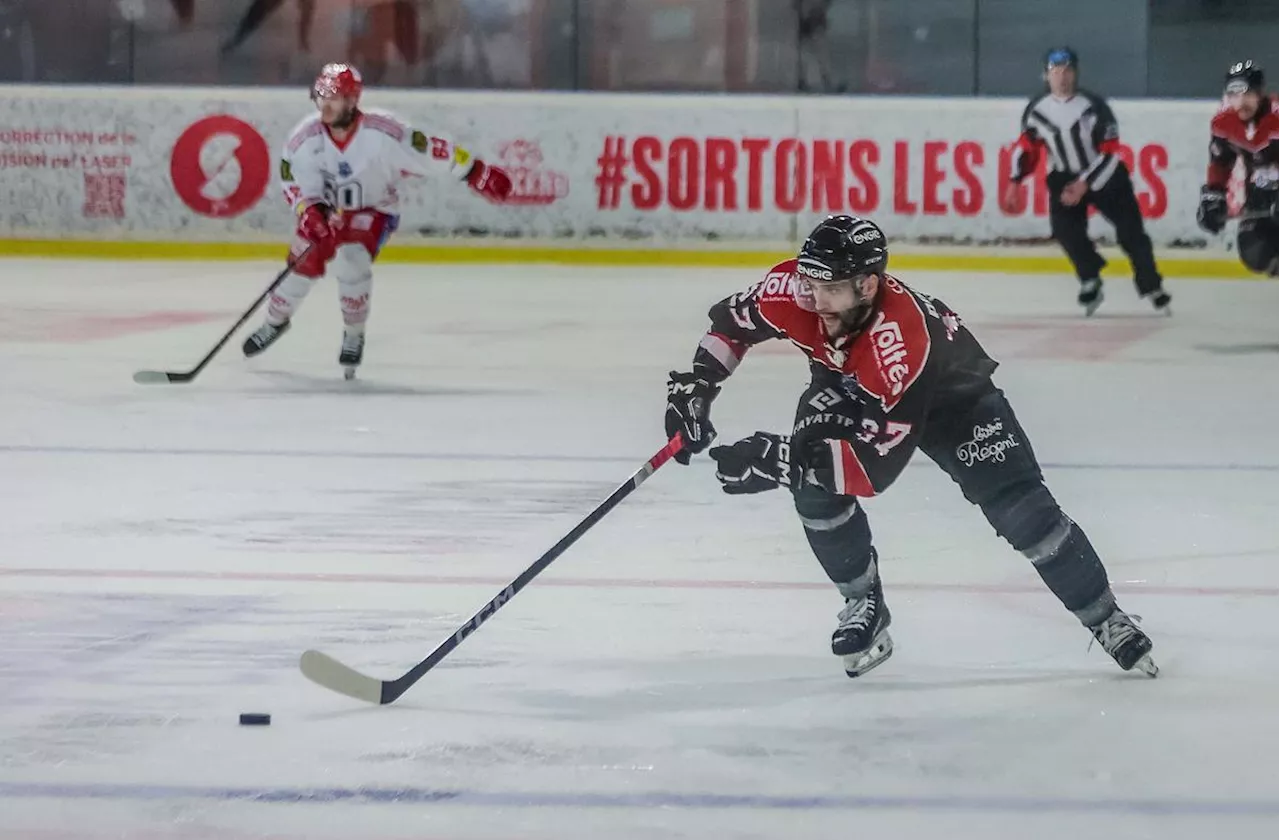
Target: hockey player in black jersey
893	370
1246	129
1081	136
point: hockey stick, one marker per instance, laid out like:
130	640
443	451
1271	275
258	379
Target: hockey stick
149	377
324	670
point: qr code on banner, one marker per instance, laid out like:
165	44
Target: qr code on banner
104	195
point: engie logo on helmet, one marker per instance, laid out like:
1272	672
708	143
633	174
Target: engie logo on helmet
867	236
814	272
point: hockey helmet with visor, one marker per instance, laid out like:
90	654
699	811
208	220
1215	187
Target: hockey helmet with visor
835	267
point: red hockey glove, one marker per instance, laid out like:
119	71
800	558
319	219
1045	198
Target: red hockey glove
313	225
490	181
314	244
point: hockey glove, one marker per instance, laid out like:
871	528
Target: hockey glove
314	226
490	181
689	399
755	464
1211	215
314	242
764	461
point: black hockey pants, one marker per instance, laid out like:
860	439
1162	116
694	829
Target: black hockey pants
1117	202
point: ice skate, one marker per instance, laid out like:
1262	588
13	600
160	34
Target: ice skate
352	353
1121	637
1090	296
1160	299
862	637
265	336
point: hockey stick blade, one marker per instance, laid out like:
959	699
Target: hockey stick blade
323	669
328	672
153	377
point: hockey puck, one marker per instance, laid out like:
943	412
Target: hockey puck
254	719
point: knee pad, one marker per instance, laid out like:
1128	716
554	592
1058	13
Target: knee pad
840	537
1028	517
353	268
287	297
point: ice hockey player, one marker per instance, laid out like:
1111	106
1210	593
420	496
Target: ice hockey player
1080	133
892	370
340	171
1245	129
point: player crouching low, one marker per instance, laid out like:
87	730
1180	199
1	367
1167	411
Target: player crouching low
340	172
1246	129
892	370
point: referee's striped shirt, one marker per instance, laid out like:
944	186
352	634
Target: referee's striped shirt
1079	133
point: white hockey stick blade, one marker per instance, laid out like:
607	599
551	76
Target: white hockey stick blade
323	669
150	377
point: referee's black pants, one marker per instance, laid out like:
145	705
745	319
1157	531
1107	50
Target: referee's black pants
1119	205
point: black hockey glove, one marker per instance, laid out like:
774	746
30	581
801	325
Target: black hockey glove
764	461
754	464
689	399
1211	215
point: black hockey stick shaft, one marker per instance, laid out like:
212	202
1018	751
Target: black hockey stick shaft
150	376
338	677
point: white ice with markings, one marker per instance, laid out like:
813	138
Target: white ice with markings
167	552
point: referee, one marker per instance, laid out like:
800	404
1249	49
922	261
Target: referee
1081	136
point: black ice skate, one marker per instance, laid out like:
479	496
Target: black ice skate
862	637
264	338
352	353
1121	637
1090	296
1160	299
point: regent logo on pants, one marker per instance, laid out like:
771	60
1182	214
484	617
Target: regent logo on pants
984	446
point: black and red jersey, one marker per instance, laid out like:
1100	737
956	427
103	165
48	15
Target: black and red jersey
914	357
1254	143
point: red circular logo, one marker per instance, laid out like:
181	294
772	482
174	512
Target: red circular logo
191	179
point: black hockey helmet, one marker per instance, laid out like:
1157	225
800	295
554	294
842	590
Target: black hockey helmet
841	249
1062	56
1244	76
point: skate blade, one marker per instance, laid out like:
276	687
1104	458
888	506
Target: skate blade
1090	308
1146	666
349	373
857	664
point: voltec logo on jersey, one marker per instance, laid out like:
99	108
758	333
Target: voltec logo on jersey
779	283
891	350
220	166
983	447
531	183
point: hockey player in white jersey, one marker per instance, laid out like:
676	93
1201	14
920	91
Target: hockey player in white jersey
340	171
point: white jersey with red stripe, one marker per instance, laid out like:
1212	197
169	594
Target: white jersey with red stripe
365	170
913	358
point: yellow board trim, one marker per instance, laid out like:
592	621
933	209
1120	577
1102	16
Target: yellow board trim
976	260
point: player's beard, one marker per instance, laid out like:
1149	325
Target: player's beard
856	318
848	321
345	119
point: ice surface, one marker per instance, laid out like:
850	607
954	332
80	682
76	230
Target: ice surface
167	552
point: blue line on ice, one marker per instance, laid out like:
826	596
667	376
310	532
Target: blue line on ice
1174	807
19	449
